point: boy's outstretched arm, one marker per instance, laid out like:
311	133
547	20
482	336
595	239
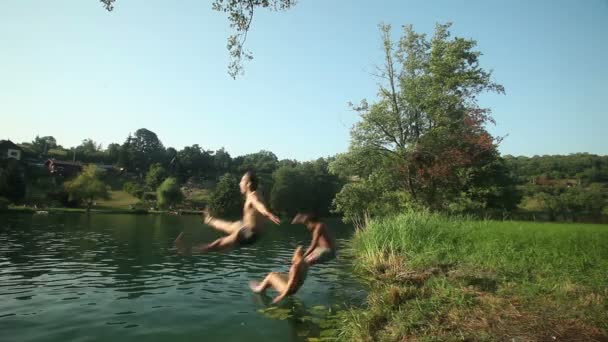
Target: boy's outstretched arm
259	206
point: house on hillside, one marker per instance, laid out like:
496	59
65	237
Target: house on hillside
63	168
8	150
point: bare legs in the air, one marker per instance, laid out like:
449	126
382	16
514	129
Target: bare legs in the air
276	280
230	228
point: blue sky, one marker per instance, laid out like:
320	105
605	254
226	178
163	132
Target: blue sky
72	70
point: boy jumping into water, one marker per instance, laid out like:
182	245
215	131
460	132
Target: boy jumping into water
284	284
322	247
243	232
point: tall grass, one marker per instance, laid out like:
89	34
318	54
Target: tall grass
435	276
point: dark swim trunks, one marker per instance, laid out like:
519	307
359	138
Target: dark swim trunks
247	236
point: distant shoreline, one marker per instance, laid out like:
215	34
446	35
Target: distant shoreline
98	211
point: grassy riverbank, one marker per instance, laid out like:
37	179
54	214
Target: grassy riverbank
438	278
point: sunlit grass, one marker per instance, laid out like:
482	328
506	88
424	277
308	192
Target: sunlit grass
118	200
433	276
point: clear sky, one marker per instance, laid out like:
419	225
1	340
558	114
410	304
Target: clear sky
72	70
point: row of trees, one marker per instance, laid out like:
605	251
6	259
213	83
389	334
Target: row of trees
142	150
583	167
289	186
293	187
565	187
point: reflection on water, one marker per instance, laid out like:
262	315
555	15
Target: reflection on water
117	277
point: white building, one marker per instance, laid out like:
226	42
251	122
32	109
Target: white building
8	150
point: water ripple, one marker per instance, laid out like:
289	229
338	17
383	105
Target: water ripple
74	277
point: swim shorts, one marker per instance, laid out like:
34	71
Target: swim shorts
322	254
246	236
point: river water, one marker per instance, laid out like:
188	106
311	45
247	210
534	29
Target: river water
101	277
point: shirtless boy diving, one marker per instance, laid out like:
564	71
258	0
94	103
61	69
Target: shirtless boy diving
242	232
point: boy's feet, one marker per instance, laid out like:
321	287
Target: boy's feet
255	286
206	216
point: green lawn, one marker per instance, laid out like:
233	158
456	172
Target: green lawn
118	200
438	278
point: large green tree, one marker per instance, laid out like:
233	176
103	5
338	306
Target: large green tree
42	145
193	161
240	14
425	132
87	186
305	187
226	199
155	176
222	162
141	150
89	146
168	193
291	191
89	151
113	152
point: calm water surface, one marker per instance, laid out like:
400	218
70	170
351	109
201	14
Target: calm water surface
73	277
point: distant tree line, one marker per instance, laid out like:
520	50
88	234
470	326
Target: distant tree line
563	186
152	171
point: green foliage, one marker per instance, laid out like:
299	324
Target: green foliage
517	249
222	162
113	152
426	131
141	150
88	146
42	145
12	180
88	151
194	162
240	14
588	168
150	196
374	196
430	273
567	202
226	199
155	176
304	187
325	185
87	186
291	191
168	193
262	162
490	186
134	189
